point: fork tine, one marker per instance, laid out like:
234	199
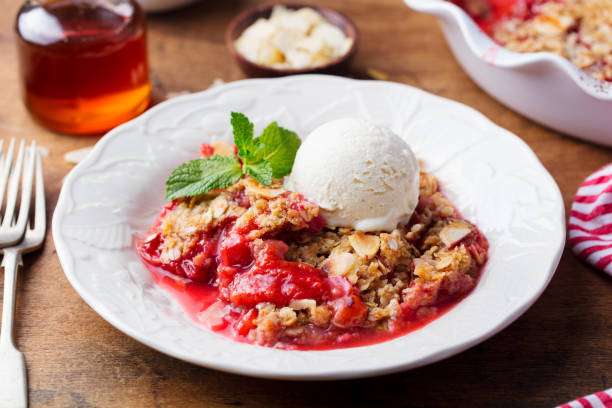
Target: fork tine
5	169
13	186
9	154
40	214
26	188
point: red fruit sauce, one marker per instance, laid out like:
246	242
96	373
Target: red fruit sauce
219	283
201	302
487	13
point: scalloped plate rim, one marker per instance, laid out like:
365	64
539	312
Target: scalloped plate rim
84	293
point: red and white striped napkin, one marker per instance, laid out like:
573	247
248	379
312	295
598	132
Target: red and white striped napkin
601	399
590	236
590	222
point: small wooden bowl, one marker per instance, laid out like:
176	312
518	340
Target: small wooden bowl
243	20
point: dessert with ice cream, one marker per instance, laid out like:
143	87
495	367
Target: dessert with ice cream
338	241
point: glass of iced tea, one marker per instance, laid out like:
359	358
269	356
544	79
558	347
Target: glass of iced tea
83	63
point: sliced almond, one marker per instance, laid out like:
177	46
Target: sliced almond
287	316
340	264
265	307
223	148
365	245
170	254
256	189
76	156
445	261
303	304
453	233
364	284
393	244
425	271
174	94
377	74
267	192
206	218
188	230
151	237
418	261
218	206
213	315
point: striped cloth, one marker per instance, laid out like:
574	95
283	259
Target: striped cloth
590	236
590	222
601	399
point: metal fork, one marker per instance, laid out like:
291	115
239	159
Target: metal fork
13	380
11	229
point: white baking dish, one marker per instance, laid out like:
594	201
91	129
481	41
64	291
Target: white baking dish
543	86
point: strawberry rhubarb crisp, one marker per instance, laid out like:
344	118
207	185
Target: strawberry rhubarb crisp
579	30
263	264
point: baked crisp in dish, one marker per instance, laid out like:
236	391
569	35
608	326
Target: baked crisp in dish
258	263
579	30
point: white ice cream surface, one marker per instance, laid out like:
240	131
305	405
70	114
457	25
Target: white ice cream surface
361	175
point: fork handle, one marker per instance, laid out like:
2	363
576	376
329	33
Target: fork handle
10	261
13	381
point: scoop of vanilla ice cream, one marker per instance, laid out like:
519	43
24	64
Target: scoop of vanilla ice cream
361	175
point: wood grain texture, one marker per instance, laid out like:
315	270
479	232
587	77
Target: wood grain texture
560	349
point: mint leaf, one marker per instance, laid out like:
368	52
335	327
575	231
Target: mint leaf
243	133
278	147
262	171
203	175
269	156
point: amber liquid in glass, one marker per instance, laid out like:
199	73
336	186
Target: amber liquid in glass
83	63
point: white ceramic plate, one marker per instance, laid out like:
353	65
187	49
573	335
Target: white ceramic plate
543	86
491	175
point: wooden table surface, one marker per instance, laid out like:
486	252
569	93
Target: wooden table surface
558	350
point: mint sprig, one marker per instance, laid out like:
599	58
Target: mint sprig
268	156
278	147
203	175
243	133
